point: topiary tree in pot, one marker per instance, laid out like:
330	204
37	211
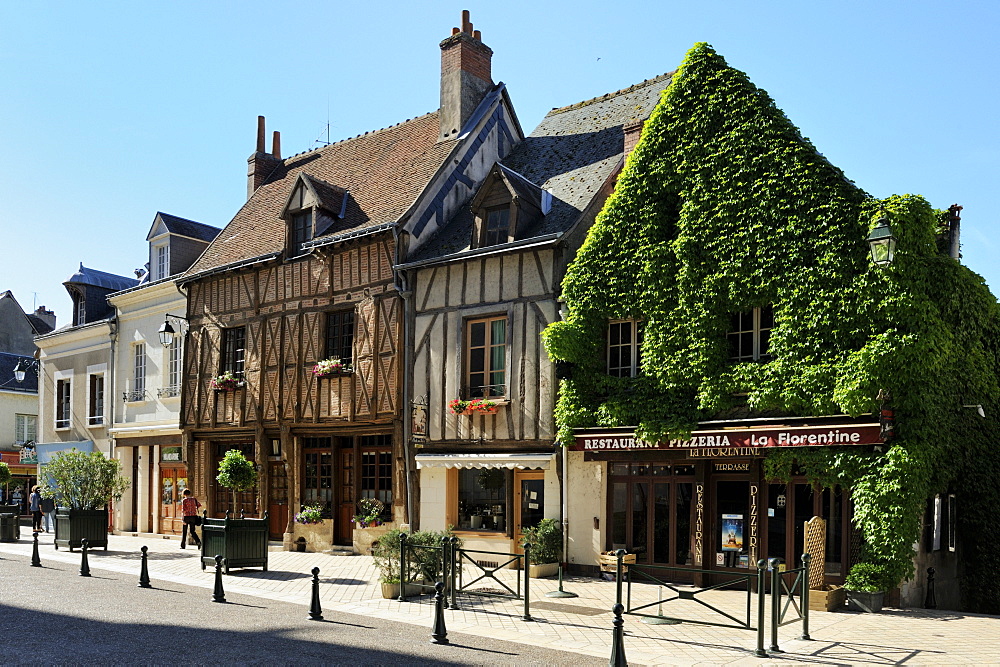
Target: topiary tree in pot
237	473
241	542
544	544
83	484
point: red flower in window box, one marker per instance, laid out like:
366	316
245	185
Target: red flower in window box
475	406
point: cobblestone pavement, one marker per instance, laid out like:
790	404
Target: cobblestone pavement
583	624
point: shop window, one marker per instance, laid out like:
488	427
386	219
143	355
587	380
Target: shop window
340	335
95	402
317	474
233	350
25	429
62	403
625	348
749	334
650	510
376	471
486	357
482	499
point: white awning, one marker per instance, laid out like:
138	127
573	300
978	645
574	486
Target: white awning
509	461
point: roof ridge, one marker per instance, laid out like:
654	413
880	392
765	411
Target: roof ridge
358	136
608	96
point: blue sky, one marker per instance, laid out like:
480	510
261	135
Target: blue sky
111	112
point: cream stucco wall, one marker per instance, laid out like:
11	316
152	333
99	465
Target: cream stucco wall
587	496
14	403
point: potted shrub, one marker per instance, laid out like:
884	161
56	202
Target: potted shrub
544	544
385	554
227	381
240	541
82	485
425	566
865	586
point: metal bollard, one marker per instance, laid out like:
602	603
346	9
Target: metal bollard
144	570
456	572
618	638
805	596
444	566
930	602
402	566
775	604
218	595
84	565
35	560
761	567
315	611
527	594
620	555
439	633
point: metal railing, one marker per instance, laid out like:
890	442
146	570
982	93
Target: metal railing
779	588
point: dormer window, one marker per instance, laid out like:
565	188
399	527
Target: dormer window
299	231
79	308
497	226
162	258
506	207
312	209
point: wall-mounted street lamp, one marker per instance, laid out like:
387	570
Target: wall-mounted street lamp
166	331
882	242
978	408
23	366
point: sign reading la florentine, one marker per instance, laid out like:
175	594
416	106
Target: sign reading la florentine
797	436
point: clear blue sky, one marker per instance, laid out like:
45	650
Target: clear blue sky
110	112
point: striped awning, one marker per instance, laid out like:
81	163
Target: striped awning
510	461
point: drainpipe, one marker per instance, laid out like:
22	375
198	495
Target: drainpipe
111	374
401	283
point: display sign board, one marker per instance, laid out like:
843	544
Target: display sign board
738	442
170	454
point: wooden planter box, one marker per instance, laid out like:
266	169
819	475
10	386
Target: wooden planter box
829	599
609	563
240	542
73	526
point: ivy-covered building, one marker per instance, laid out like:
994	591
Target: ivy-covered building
734	363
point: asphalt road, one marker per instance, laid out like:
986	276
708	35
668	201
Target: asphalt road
52	615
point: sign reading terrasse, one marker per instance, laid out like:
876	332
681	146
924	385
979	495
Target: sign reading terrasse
797	436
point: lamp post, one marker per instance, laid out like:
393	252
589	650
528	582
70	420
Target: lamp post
166	331
882	242
23	366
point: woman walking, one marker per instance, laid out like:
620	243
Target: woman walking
189	507
35	507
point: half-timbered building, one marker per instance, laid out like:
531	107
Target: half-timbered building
304	274
484	287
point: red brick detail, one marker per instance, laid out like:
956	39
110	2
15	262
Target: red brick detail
632	133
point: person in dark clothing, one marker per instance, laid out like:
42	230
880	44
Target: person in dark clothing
35	507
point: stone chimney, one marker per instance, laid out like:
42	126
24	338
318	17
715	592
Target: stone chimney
261	164
465	77
632	133
46	315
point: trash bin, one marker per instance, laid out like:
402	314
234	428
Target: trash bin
10	529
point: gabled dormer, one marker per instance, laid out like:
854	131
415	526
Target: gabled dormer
506	206
311	210
175	243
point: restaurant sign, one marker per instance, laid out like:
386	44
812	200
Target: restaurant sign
746	439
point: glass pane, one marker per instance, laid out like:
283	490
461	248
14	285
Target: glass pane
766	317
640	504
777	520
532	502
498	356
640	468
168	491
684	470
619	468
661	523
833	508
734	322
619	507
498	334
803	512
682	519
614	333
477	360
746	345
732	511
477	334
482	497
661	470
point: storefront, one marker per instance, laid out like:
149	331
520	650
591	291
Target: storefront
704	503
23	467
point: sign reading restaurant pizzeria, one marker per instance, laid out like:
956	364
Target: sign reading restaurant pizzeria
740	442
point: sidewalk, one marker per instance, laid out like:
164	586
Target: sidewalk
582	624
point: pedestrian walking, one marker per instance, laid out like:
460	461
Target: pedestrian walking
189	507
49	514
35	507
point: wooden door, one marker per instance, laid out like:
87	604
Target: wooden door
343	527
277	504
173	481
529	502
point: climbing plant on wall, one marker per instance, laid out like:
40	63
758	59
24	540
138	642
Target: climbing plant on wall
723	207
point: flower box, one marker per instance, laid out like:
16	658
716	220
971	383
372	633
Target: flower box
475	406
830	598
609	561
331	367
226	382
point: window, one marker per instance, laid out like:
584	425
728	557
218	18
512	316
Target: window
625	348
317	474
497	226
138	390
750	335
95	407
299	231
340	335
175	362
482	499
62	403
25	429
162	262
486	360
376	471
233	350
79	308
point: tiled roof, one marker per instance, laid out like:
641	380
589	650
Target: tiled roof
571	154
189	228
384	172
85	276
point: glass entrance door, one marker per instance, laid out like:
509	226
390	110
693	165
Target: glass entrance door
732	522
650	511
529	502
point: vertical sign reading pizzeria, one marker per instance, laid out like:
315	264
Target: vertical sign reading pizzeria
752	541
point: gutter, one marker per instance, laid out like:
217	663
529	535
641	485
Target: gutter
537	241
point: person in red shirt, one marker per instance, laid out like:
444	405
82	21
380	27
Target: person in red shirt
189	507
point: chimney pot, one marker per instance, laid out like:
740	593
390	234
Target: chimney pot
276	145
478	35
260	134
455	31
466	77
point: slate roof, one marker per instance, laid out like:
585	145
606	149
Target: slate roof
7	379
384	171
38	325
571	154
95	278
189	228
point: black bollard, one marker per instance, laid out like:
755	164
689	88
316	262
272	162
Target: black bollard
218	595
84	565
930	602
144	571
618	638
439	633
315	611
35	560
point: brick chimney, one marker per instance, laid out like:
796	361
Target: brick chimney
632	133
261	164
465	77
46	315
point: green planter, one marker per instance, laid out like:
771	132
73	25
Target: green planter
10	520
240	542
73	526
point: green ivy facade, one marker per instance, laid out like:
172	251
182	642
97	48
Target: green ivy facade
723	207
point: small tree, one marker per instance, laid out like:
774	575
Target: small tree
237	473
4	474
84	481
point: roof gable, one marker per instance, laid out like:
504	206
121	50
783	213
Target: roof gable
164	223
